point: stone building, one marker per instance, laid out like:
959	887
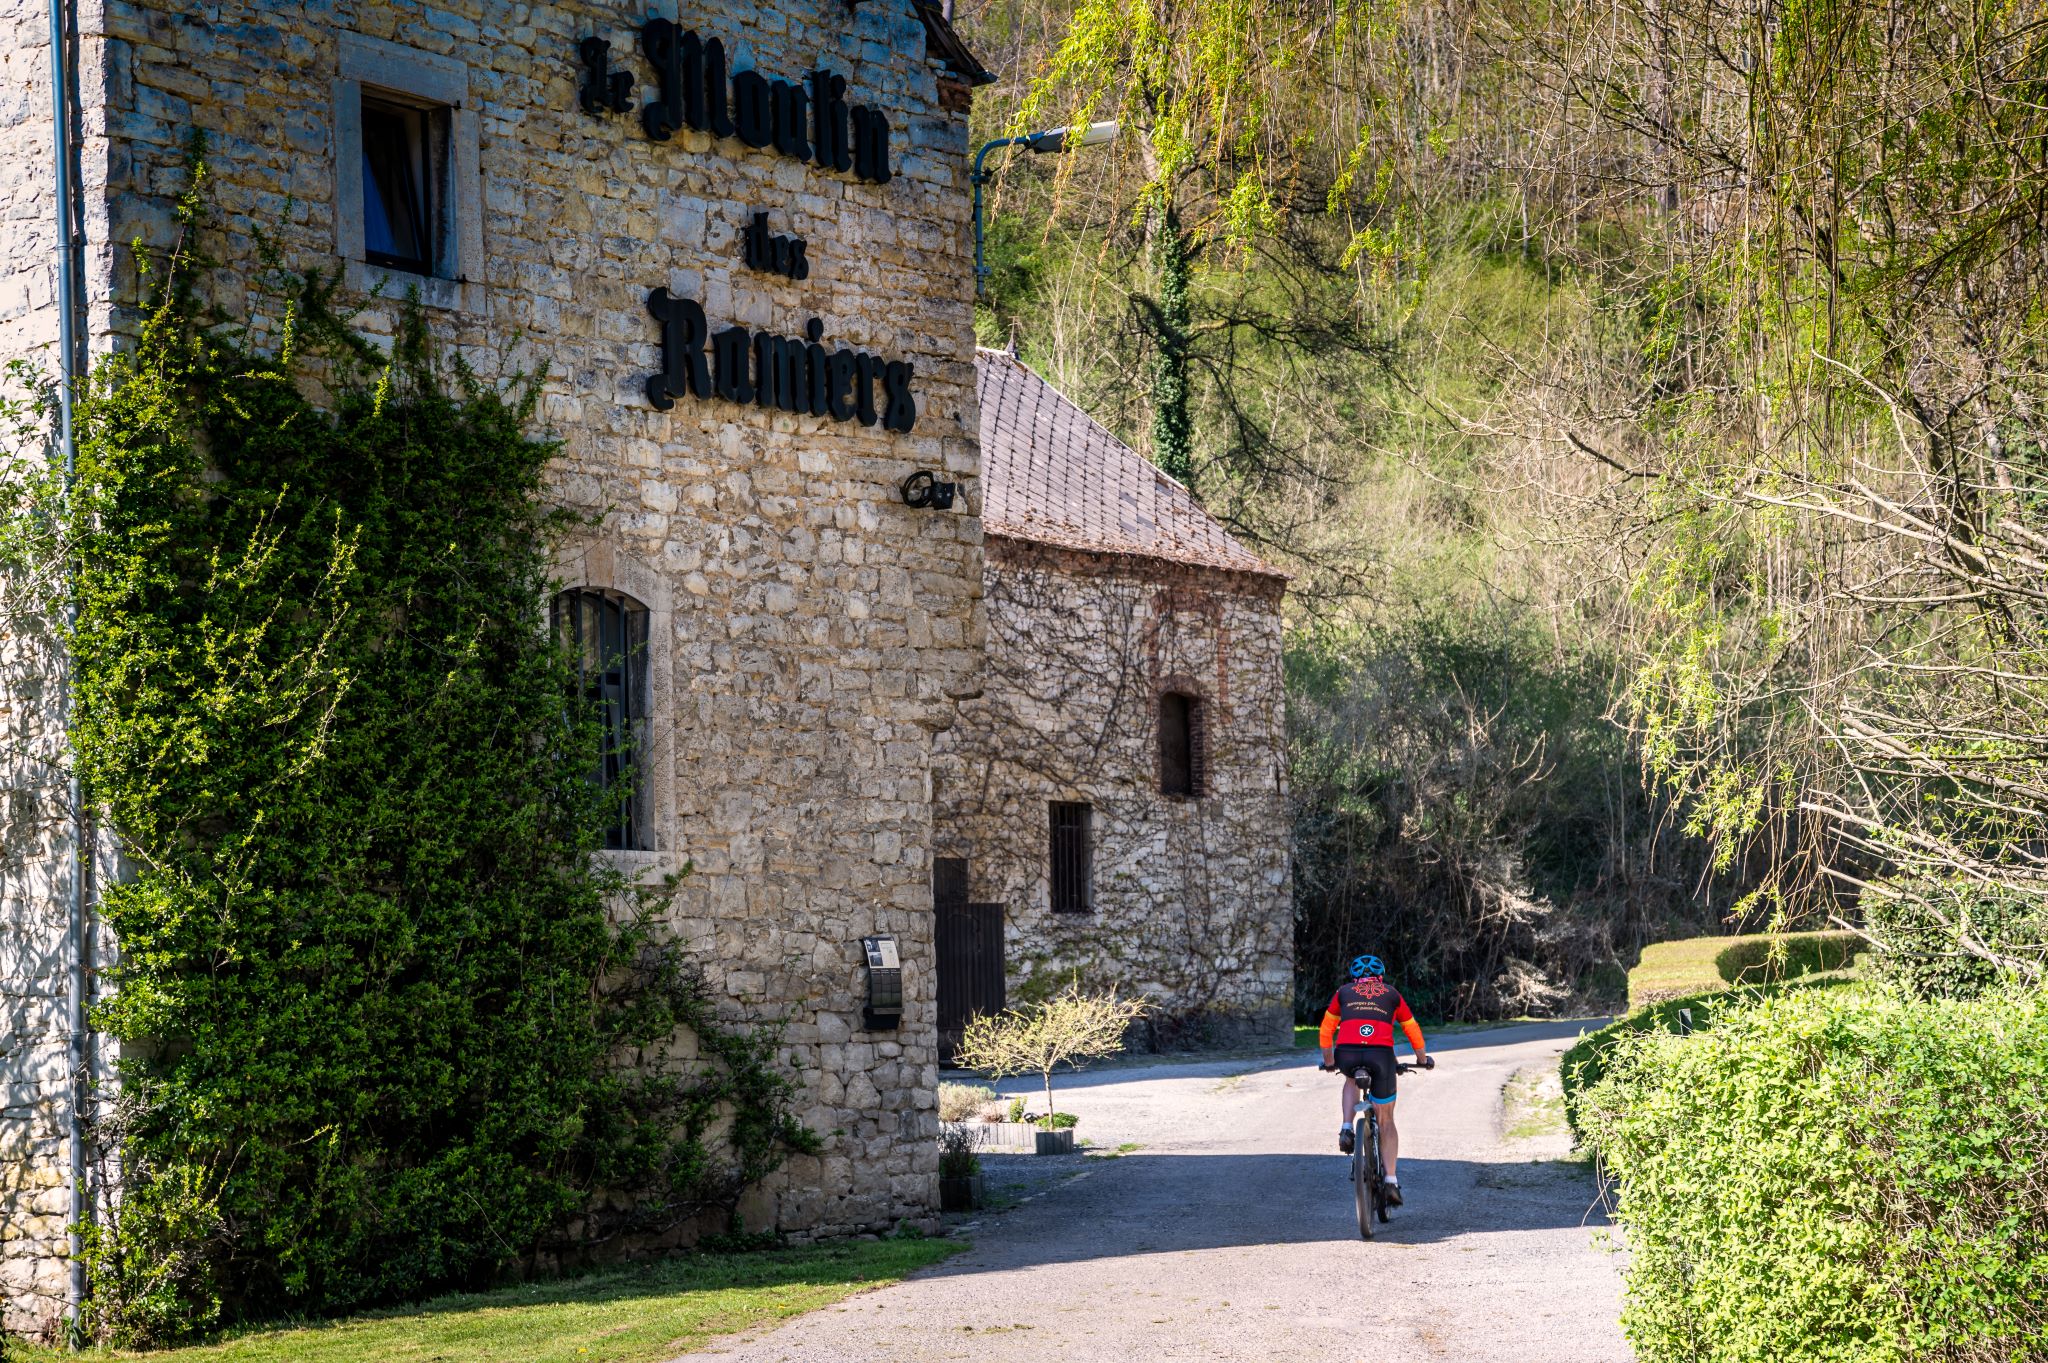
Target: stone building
738	237
1112	807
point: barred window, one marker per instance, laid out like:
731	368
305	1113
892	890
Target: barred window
1073	855
1182	745
605	633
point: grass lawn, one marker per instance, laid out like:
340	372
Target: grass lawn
641	1315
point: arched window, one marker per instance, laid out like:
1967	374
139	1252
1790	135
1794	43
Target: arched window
1182	745
606	634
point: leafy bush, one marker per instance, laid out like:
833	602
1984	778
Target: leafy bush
1921	928
1834	1176
1694	965
371	995
960	1102
1766	958
1058	1121
959	1152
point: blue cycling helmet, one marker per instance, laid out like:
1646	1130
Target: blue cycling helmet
1361	966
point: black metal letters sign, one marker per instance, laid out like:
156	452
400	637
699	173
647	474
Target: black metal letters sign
806	121
774	372
810	121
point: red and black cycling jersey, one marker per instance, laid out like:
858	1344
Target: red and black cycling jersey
1363	1013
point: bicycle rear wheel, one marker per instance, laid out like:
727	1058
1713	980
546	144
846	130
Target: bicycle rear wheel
1364	1155
1378	1175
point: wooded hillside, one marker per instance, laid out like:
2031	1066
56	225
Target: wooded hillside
1649	396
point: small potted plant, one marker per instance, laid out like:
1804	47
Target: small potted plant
1070	1028
960	1176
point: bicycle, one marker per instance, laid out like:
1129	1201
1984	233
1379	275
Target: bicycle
1368	1174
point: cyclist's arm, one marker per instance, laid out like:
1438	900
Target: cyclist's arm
1329	1033
1413	1028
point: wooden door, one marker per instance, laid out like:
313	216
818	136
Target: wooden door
969	945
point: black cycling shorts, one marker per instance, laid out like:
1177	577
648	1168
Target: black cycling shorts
1377	1059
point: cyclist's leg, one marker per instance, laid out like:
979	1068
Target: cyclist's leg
1390	1139
1350	1103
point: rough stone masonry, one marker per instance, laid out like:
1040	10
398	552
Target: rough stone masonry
809	633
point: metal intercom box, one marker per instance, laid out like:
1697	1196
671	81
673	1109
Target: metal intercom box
885	984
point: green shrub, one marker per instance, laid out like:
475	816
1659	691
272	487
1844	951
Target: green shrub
1833	1176
1693	965
1059	1121
958	1102
1769	958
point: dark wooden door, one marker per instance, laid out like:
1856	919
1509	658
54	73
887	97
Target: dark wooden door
969	942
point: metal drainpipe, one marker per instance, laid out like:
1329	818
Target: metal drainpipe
68	245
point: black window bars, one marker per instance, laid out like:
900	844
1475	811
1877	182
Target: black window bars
1073	856
605	635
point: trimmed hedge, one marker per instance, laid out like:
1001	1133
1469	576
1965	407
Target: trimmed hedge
1832	1176
1669	970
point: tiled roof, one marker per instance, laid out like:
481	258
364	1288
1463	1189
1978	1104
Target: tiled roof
1051	474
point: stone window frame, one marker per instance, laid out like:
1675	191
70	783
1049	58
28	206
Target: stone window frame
603	566
408	75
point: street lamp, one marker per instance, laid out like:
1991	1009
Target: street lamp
1052	140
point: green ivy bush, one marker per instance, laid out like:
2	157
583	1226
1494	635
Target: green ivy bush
374	988
1924	953
1834	1176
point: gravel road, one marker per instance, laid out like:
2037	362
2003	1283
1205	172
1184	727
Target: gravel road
1230	1234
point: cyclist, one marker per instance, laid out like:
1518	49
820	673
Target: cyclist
1358	1030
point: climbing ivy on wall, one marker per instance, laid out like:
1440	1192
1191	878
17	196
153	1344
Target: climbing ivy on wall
374	989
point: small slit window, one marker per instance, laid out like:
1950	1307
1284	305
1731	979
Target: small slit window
405	159
605	636
1182	745
1073	856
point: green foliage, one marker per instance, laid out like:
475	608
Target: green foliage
372	994
1922	927
1834	1176
1698	964
1463	808
1586	1063
959	1152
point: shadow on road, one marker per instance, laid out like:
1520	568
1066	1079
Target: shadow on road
1161	1204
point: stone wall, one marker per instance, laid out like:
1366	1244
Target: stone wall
812	632
1191	896
34	1045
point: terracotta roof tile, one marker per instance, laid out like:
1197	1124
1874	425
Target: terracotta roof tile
1051	474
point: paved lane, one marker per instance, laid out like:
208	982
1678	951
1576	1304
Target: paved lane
1231	1236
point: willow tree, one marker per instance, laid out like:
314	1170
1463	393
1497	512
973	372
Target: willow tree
1838	402
1237	118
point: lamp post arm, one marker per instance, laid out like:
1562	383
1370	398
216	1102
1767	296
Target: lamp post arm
980	178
